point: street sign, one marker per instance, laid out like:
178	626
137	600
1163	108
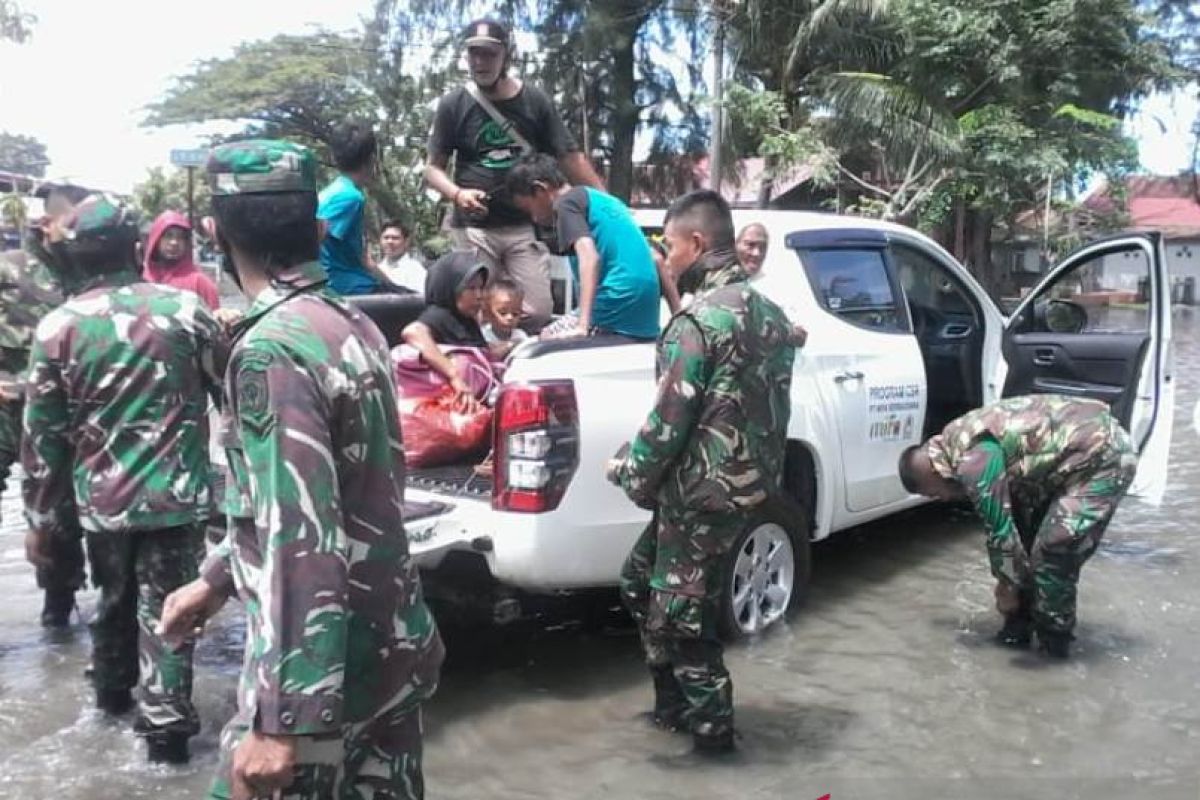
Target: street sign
197	157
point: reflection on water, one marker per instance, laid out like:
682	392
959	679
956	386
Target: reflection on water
885	686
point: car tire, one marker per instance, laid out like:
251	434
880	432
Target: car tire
766	573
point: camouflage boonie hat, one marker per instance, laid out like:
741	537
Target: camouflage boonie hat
99	216
261	166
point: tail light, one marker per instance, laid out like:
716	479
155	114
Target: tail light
536	445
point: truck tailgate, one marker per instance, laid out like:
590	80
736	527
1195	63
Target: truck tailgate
445	508
457	480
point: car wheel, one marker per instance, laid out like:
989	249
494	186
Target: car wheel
767	571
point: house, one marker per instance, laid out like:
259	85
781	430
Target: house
1167	204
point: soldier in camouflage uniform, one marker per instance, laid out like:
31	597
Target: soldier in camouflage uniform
1046	473
115	430
342	650
28	293
709	455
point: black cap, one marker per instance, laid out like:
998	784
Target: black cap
486	32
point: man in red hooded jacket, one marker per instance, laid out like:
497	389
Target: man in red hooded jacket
169	258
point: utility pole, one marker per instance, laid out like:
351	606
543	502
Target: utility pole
587	148
718	114
191	191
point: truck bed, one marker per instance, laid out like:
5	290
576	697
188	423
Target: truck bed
455	480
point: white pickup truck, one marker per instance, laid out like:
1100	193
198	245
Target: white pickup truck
902	339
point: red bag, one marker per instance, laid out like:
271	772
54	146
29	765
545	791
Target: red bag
435	434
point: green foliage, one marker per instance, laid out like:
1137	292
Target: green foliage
23	154
166	190
763	124
299	86
303	87
986	98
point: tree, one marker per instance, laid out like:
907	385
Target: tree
605	65
787	48
15	24
303	87
166	190
964	112
295	86
22	154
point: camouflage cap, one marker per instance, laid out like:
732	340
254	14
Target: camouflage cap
98	216
260	166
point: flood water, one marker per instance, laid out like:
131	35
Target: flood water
886	685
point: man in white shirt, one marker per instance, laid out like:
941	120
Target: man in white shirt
399	267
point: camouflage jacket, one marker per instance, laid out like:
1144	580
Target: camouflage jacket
27	293
714	441
338	629
1022	452
116	407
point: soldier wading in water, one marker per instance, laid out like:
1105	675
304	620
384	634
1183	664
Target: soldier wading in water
341	650
1046	473
708	456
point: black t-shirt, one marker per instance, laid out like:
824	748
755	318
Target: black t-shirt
486	152
571	219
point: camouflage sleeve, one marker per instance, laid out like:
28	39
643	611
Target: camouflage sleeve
45	447
984	476
685	374
284	421
213	346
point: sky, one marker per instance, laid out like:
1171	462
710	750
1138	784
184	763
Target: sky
81	84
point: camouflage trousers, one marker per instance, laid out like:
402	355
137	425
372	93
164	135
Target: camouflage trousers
135	571
379	759
1062	531
66	572
671	584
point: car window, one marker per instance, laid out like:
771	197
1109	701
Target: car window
854	285
1108	292
928	283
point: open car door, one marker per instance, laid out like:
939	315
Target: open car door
1099	326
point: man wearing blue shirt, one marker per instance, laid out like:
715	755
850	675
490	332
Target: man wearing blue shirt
618	279
341	206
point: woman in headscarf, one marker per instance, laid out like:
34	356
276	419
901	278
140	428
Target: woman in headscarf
454	291
169	258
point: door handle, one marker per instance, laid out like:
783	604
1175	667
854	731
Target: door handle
848	375
1043	357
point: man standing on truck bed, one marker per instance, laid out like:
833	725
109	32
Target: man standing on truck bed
487	124
709	455
1046	473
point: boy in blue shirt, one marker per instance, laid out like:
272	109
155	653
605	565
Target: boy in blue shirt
341	206
618	279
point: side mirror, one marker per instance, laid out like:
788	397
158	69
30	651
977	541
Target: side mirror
1063	316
